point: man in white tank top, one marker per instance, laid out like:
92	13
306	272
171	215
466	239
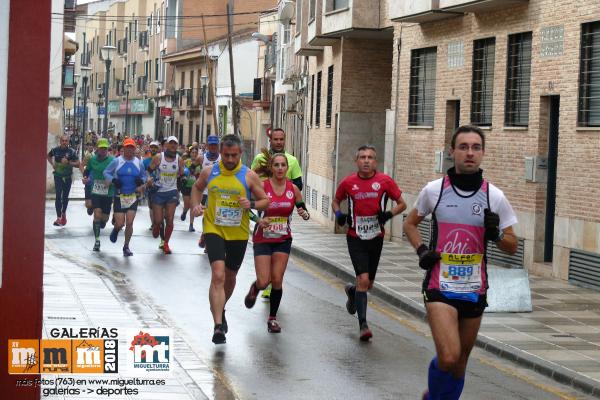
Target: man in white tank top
210	157
169	167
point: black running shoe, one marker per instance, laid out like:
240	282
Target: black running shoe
218	335
102	224
250	299
224	325
127	252
183	215
97	245
350	305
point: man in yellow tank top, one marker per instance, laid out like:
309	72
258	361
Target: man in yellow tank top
226	222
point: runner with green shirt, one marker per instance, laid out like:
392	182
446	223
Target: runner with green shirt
63	159
294	173
101	193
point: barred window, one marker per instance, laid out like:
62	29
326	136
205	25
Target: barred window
312	98
422	87
483	81
329	96
589	76
518	80
318	107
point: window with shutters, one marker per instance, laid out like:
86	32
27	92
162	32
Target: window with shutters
589	76
312	98
518	82
422	87
482	88
318	106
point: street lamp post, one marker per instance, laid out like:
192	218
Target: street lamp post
99	104
158	89
127	87
75	82
85	73
107	54
203	80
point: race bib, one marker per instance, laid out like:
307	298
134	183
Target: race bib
277	228
168	178
228	213
100	188
460	273
367	227
127	200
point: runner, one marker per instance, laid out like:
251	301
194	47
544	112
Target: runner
127	175
367	193
277	145
63	159
209	158
226	224
101	193
467	212
170	167
272	236
150	187
87	187
190	175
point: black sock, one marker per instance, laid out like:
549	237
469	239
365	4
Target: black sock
360	298
162	231
275	301
96	226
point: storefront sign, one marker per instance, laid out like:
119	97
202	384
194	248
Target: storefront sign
552	41
166	112
133	106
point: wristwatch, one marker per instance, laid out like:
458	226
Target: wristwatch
500	237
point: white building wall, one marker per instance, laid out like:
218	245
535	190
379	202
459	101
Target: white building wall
56	50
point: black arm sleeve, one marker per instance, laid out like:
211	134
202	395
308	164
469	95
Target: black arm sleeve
298	182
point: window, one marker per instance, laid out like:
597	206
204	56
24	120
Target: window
329	96
130	32
482	89
318	108
589	76
182	81
312	98
156	67
422	87
339	4
516	112
135	24
311	10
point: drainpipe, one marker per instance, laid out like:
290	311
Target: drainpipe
399	45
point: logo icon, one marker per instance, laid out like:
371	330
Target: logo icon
376	186
23	356
88	356
56	356
354	187
476	208
289	194
150	351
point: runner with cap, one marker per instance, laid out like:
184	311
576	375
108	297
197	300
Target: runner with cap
63	159
127	174
209	158
151	177
169	167
226	222
101	192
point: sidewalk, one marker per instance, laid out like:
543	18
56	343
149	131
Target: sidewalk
79	295
559	339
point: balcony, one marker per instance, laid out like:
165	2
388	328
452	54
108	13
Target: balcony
420	11
301	45
354	19
142	84
315	21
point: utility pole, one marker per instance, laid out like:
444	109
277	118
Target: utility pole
211	91
234	105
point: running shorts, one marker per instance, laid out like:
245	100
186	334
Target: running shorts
102	202
466	309
267	249
230	251
365	254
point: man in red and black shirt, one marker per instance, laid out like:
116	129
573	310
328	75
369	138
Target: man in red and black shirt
367	192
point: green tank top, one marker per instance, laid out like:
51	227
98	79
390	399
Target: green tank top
97	168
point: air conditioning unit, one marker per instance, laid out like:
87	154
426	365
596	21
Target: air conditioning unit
536	169
286	12
291	98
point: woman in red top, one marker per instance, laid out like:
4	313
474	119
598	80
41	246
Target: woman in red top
272	236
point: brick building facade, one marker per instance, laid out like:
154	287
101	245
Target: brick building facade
509	67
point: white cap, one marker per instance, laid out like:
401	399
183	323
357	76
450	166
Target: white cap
155	143
172	139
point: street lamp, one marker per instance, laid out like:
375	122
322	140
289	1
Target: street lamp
85	73
107	54
99	104
127	87
158	89
203	80
75	82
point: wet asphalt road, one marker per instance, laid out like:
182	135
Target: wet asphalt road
317	355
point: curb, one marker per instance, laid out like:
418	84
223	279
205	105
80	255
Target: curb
553	371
